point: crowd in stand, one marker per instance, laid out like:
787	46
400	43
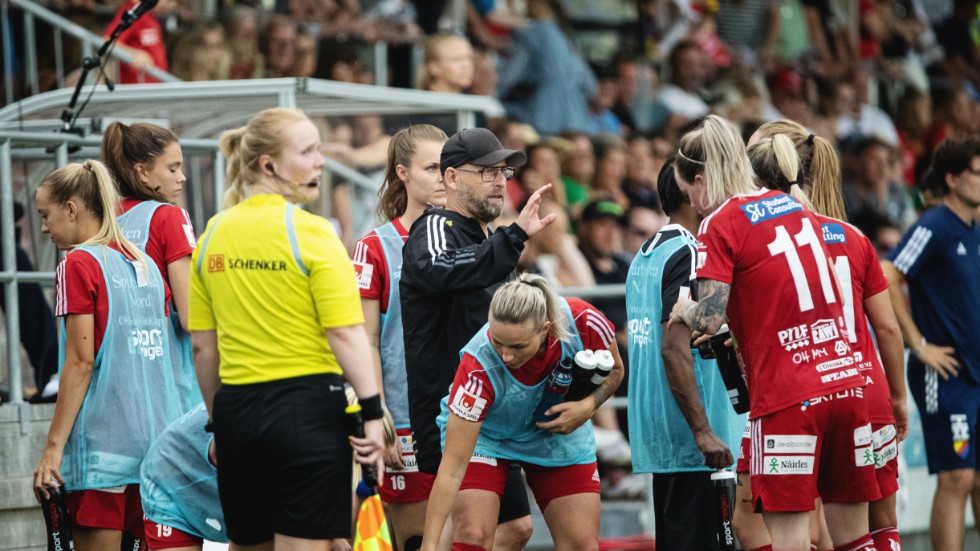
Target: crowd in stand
885	81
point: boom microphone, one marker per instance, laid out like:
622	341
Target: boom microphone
130	17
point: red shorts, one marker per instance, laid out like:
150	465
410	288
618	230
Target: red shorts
885	443
117	508
161	536
815	450
546	483
408	485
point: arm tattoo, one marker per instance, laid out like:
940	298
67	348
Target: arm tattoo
709	314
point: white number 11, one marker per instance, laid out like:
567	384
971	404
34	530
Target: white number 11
784	245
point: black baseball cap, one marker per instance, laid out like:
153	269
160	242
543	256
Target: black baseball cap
477	146
603	210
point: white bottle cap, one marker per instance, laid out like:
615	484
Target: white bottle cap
722	475
586	360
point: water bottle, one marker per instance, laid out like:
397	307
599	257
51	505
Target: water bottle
604	365
56	519
368	473
555	389
582	371
731	373
723	484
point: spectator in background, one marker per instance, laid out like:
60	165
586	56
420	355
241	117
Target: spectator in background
338	60
144	40
956	35
601	118
868	183
543	80
447	66
956	114
278	45
578	168
866	119
749	28
913	118
688	74
543	167
485	76
241	25
789	94
639	185
307	58
200	53
607	184
627	71
642	223
600	233
554	253
837	98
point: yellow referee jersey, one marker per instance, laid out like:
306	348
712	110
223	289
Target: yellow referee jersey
269	278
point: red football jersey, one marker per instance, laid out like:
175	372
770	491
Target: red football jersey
372	270
784	309
144	34
595	329
860	277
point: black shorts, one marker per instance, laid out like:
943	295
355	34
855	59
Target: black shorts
284	461
684	512
514	503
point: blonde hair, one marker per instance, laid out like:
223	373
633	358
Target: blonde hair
263	135
393	196
715	149
821	167
433	51
777	164
530	298
92	184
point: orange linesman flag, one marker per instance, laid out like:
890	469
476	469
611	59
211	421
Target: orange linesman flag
372	528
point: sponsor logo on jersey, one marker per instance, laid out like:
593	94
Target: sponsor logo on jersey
835	364
256	264
149	342
790	443
838	375
833	233
823	331
862	436
364	272
770	207
794	337
883	435
841	348
485	459
639	331
961	434
788	464
864	457
467	402
961	250
857	392
216	263
886	454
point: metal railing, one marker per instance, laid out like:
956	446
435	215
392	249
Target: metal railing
90	42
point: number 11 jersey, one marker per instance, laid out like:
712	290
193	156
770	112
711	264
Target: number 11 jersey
784	309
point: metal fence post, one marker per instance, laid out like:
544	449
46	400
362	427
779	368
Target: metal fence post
8	56
7	234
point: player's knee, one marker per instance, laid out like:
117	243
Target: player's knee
959	482
881	514
474	534
514	534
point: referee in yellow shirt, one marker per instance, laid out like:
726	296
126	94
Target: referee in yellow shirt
268	282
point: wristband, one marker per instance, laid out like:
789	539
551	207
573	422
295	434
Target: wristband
371	408
922	343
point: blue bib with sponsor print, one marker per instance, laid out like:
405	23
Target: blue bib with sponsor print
508	430
660	437
179	486
135	224
393	375
133	395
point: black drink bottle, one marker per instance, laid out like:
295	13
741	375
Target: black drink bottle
582	372
731	373
723	484
56	519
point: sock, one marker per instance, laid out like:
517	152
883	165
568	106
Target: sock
763	548
886	539
457	546
864	543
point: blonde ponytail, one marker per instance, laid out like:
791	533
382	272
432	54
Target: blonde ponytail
230	145
777	165
715	149
530	298
821	168
92	184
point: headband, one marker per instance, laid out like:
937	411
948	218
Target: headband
686	158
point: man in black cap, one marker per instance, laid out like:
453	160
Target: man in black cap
452	264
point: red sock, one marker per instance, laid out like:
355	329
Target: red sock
457	546
886	539
864	543
763	548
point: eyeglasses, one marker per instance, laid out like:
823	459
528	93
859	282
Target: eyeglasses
490	173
